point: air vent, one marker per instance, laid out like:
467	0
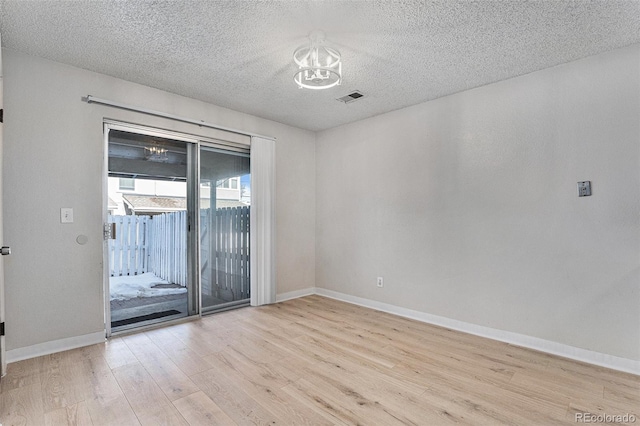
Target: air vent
351	97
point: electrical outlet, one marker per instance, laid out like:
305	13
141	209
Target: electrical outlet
380	282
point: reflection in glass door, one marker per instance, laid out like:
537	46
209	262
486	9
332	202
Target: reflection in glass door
225	208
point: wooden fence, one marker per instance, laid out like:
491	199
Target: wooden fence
155	244
158	244
129	251
168	251
225	266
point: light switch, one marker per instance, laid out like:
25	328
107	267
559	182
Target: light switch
66	215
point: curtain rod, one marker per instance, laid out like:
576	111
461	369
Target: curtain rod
93	100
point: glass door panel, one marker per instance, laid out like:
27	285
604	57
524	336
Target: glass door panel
149	276
225	208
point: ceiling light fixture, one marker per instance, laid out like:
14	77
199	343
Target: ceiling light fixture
156	154
319	66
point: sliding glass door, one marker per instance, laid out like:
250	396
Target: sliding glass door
149	258
224	212
176	226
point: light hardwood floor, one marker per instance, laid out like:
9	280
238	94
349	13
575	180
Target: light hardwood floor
309	361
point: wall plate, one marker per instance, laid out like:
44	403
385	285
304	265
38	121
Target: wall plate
66	215
584	188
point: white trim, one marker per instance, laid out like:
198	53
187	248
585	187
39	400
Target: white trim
296	294
542	345
54	346
106	299
566	351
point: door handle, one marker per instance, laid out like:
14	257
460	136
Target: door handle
5	251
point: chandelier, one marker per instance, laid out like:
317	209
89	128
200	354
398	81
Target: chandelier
319	66
156	153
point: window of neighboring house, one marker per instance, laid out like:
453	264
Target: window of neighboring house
127	184
231	183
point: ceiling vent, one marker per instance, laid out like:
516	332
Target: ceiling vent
351	97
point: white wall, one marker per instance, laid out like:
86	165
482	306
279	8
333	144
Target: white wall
53	158
467	206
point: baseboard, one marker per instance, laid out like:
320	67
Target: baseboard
295	294
566	351
54	346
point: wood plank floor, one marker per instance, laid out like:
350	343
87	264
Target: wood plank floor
309	361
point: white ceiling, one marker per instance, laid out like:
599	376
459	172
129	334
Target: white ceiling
238	54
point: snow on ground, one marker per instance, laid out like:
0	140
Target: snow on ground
130	287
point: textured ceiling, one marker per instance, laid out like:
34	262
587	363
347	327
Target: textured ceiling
238	54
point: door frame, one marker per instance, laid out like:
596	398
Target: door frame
193	298
207	310
3	358
193	188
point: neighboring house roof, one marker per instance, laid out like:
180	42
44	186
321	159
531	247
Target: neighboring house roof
112	204
154	204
